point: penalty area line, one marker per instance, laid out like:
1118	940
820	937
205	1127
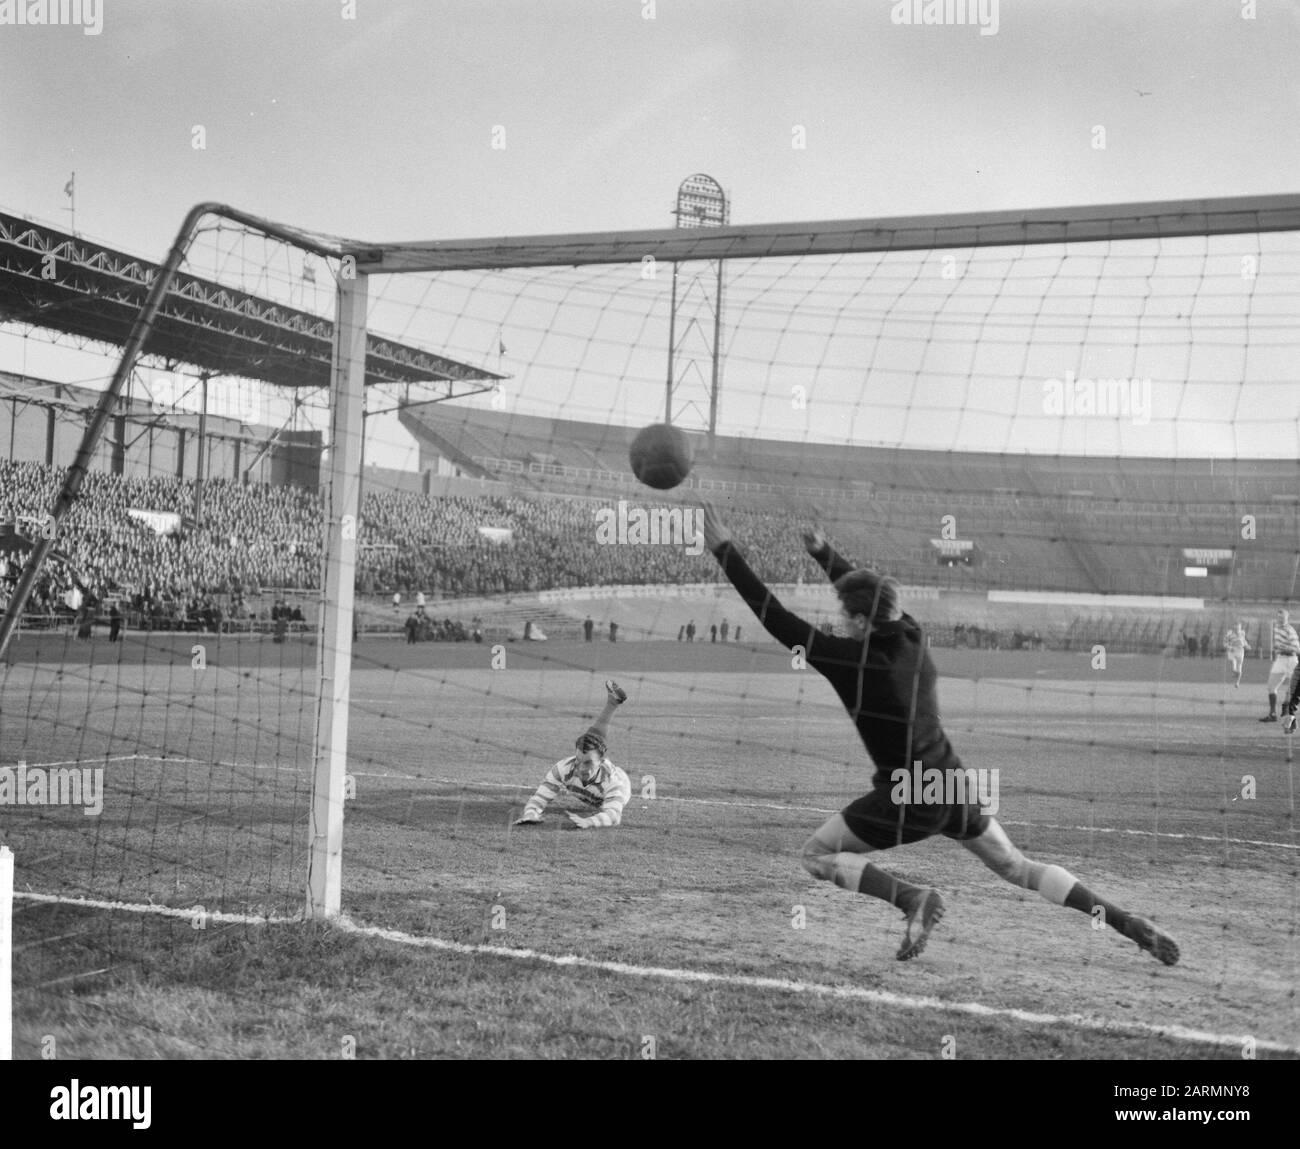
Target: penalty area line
817	989
1172	835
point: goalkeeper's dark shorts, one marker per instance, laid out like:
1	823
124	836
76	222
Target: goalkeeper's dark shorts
883	823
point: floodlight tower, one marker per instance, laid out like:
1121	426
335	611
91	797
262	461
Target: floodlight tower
695	326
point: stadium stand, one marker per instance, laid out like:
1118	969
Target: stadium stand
1059	524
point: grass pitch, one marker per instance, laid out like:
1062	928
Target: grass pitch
689	931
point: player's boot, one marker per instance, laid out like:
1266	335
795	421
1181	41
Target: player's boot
1153	940
615	692
1269	718
926	913
1289	724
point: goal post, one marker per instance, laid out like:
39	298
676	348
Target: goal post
190	751
6	954
342	524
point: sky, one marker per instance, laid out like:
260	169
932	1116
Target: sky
376	120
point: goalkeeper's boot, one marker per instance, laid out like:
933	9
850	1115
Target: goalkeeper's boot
616	693
1153	940
1289	724
926	913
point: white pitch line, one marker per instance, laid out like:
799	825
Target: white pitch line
817	989
824	810
741	981
1169	834
160	911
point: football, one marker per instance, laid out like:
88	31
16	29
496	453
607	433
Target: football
661	456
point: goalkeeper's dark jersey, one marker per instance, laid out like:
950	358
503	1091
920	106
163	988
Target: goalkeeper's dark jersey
886	682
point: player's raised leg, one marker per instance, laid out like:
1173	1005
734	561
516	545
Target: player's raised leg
1061	887
615	696
836	854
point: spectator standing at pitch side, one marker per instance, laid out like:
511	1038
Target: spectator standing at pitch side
690	631
613	631
713	632
588	625
725	629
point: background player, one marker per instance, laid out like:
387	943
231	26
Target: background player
1292	705
1286	648
590	780
1234	642
884	676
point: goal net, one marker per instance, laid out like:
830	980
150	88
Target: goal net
1002	411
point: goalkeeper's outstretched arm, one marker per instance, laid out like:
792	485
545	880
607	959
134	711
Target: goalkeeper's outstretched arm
825	555
784	625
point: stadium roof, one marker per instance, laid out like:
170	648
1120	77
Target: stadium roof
96	292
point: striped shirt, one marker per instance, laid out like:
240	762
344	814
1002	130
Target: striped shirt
1286	643
604	794
1235	642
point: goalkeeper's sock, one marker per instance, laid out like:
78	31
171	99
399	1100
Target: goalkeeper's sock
1084	900
1061	887
878	883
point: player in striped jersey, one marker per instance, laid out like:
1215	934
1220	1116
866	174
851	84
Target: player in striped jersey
1234	642
587	780
884	676
1286	653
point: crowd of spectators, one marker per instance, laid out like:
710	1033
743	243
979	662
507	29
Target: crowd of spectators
248	537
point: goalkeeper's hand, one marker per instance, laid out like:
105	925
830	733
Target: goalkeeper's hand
813	540
575	822
529	820
715	531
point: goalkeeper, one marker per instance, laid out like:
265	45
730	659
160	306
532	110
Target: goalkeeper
884	676
587	779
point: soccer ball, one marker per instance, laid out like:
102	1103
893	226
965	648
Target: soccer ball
661	456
